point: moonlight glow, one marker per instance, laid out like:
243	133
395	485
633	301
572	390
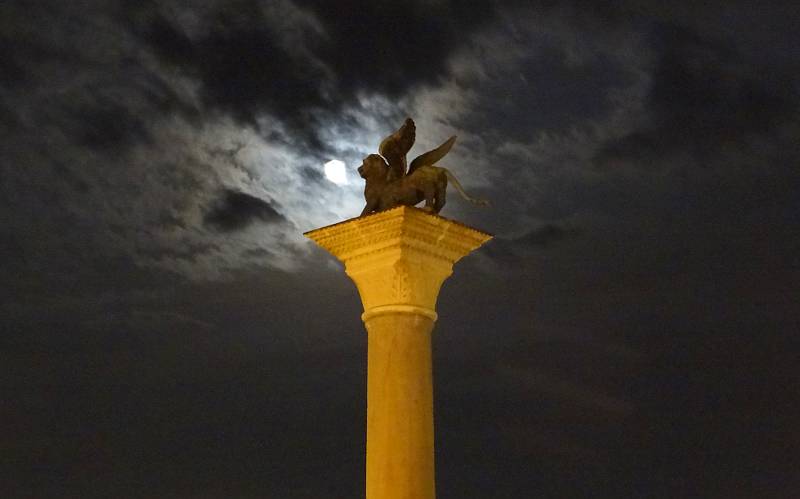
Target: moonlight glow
335	172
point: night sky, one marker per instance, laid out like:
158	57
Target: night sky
167	332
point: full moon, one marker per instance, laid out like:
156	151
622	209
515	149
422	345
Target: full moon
335	172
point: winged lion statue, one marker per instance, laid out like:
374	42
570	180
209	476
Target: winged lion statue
391	182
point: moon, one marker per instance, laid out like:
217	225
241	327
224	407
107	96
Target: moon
335	172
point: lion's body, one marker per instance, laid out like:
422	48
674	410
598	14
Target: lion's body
426	183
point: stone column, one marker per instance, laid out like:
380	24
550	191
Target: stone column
398	260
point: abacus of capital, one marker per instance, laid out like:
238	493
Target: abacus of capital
399	259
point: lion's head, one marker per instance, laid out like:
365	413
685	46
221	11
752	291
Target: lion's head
373	166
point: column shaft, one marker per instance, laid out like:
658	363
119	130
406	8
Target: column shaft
400	458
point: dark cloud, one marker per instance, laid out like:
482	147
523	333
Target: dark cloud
312	175
246	67
71	178
547	93
235	210
107	126
106	116
705	96
240	65
545	235
389	47
187	250
712	89
512	251
12	73
86	83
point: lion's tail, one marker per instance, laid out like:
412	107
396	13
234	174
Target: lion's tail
452	178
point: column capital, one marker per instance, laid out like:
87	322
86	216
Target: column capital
399	258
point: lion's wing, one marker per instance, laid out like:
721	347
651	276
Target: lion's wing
395	147
431	157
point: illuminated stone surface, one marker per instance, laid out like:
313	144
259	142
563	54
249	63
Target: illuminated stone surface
398	259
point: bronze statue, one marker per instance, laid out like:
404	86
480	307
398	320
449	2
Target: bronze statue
389	185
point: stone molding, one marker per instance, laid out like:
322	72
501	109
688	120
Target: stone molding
399	257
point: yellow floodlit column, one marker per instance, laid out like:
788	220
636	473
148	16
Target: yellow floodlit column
398	259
